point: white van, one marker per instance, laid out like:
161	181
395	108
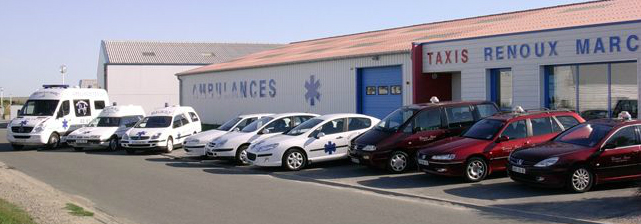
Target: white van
163	129
107	129
53	112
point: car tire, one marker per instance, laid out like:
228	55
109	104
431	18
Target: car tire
54	141
476	169
114	144
17	147
294	160
398	162
77	149
241	155
130	151
170	145
580	180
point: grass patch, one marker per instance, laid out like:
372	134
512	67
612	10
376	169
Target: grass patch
11	214
77	210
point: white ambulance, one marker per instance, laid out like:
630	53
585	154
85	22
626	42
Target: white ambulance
107	129
163	129
53	112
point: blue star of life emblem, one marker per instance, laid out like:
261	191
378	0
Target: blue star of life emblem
65	123
312	87
330	147
23	123
141	133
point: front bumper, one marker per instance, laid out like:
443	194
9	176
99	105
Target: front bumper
543	177
444	168
220	152
264	159
195	150
373	158
26	138
143	144
90	143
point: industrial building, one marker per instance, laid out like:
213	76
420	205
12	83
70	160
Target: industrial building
142	72
582	57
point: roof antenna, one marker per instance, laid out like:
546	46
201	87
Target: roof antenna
166	104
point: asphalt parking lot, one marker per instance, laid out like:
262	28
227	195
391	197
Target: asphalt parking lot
173	188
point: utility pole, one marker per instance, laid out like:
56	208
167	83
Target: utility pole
63	70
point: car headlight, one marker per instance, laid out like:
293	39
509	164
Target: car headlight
267	147
156	136
444	157
39	128
547	162
369	148
220	142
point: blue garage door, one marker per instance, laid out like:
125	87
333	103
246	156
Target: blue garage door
380	90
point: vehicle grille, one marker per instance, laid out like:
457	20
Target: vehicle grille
515	161
251	156
21	129
211	145
356	147
138	137
21	137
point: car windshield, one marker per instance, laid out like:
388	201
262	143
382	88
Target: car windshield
229	124
39	107
485	129
394	120
584	134
105	122
154	122
257	124
304	127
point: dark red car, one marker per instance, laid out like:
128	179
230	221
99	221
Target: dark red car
591	153
393	143
485	147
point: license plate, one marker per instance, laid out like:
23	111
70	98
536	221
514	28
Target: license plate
355	160
423	162
517	169
81	141
137	142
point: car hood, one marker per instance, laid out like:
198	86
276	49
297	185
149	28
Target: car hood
547	150
145	131
373	137
454	144
205	136
103	132
27	121
282	140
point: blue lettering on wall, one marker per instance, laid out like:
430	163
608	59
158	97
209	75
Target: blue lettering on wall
488	54
553	48
598	46
263	88
511	51
630	45
539	49
499	53
525	51
582	46
615	42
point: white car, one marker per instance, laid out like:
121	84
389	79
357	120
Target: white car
107	129
323	138
195	145
233	145
53	112
162	129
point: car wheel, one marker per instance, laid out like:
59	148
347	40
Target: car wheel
580	180
77	149
54	141
294	160
241	155
475	169
130	151
17	147
398	162
170	145
114	144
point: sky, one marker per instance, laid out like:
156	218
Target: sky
38	36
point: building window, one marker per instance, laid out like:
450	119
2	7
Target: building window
383	90
370	90
595	90
501	87
396	90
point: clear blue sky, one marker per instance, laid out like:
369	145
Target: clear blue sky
36	37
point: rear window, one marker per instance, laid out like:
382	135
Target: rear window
459	116
567	121
358	123
99	104
193	116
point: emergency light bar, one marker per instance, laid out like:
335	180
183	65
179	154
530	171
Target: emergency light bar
55	86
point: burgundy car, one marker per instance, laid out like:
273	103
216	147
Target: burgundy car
594	152
485	147
393	143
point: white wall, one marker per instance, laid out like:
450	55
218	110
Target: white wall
101	67
150	86
528	73
337	88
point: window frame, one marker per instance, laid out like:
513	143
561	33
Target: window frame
447	117
636	134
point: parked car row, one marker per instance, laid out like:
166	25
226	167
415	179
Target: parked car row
471	139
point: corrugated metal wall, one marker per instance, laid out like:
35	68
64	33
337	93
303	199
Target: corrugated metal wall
218	96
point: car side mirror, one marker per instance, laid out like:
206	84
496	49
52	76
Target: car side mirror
59	115
609	146
320	135
265	131
502	139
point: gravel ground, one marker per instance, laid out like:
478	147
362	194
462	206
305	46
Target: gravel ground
44	203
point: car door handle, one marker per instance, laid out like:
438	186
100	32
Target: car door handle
339	137
506	148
